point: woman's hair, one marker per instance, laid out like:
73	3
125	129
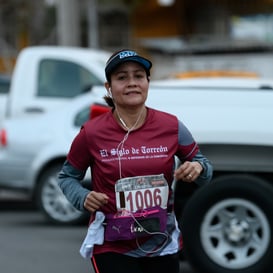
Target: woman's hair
109	101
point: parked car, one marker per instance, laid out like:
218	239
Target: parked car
228	224
54	76
33	149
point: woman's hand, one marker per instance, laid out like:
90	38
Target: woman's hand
188	171
95	200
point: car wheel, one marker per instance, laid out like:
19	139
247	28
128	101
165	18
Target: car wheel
52	201
227	226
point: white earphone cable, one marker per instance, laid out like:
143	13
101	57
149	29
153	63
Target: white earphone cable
121	144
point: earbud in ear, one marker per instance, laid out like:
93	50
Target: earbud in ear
110	93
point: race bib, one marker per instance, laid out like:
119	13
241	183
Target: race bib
141	192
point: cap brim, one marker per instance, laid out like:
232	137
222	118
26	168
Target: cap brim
138	59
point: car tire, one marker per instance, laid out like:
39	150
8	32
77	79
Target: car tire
227	226
52	201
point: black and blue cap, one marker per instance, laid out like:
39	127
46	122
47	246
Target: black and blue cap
126	56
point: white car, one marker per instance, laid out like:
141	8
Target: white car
53	77
33	149
228	224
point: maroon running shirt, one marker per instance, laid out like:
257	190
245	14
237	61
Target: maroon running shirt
103	146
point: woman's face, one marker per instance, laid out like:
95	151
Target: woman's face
129	85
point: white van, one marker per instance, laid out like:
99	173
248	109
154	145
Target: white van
47	77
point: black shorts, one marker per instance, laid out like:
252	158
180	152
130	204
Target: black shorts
119	263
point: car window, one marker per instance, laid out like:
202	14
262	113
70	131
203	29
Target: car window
82	117
58	78
4	85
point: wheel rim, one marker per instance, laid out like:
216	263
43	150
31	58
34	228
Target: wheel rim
235	233
55	203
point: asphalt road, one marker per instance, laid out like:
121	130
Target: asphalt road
29	244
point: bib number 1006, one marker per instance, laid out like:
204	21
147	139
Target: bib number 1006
143	198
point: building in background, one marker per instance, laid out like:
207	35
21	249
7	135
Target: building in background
172	27
188	26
